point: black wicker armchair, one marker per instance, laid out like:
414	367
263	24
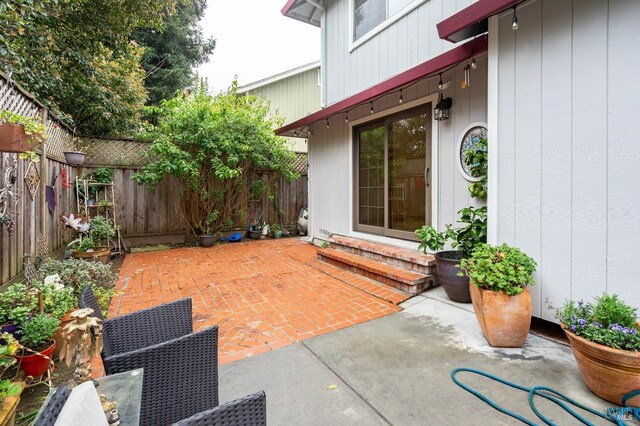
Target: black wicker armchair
142	328
248	411
49	414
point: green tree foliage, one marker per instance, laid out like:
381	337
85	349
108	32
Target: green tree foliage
77	57
171	55
211	145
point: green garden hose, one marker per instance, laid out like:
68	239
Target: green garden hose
614	416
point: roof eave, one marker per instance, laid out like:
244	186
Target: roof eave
472	20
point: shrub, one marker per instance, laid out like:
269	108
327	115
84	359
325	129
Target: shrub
102	229
16	304
608	321
502	268
37	332
76	273
57	302
464	239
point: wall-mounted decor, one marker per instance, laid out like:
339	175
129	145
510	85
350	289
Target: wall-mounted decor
469	137
32	179
7	190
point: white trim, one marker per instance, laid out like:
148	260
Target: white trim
435	179
459	145
412	245
354	44
278	77
492	132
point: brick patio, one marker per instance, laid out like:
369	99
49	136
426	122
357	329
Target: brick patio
262	294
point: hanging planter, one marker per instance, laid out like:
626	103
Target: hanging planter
74	158
19	133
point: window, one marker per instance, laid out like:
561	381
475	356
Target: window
368	14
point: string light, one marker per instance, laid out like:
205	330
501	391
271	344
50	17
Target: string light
440	82
401	99
327	123
514	20
346	117
372	107
473	64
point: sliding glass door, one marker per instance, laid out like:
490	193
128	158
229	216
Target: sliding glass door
393	164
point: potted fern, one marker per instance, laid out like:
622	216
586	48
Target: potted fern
19	133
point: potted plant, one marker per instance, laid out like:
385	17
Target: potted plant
96	244
59	302
277	230
76	156
463	240
498	280
605	340
9	391
36	337
16	305
19	133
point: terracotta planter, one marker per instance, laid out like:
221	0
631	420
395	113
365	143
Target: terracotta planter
74	158
101	254
504	319
609	373
35	365
456	287
66	319
14	139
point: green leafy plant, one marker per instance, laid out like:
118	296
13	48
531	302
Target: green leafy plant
84	244
17	303
499	268
464	239
57	302
275	227
100	175
608	321
211	144
7	349
477	158
76	274
37	332
102	229
32	126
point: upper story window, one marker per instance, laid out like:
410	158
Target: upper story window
371	14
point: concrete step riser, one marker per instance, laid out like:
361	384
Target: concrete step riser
411	289
400	263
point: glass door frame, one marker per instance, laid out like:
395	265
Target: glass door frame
410	109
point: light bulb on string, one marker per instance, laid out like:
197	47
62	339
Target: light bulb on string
440	85
327	123
346	118
473	64
401	98
514	20
371	108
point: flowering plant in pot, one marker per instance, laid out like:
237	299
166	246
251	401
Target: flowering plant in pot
463	239
19	133
498	280
36	339
605	340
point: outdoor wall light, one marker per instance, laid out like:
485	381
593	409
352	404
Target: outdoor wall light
441	111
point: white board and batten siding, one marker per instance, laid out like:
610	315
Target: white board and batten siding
292	98
568	189
331	153
405	43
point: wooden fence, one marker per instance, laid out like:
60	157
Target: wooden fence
141	211
33	221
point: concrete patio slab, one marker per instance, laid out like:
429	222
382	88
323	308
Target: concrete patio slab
399	367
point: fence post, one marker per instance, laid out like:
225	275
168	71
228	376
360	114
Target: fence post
42	240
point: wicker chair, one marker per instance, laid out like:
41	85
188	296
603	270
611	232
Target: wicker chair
51	411
142	328
248	411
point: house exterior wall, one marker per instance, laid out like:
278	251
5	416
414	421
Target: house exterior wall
407	42
331	154
293	98
568	192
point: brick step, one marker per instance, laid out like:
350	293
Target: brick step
411	260
407	281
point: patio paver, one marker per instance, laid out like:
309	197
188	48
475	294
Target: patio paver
263	295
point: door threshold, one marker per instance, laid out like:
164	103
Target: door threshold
398	242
